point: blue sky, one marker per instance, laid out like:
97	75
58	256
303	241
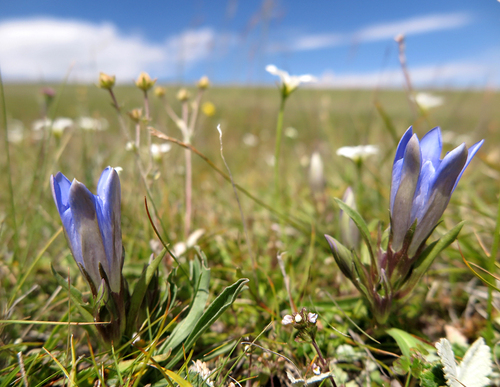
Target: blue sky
342	43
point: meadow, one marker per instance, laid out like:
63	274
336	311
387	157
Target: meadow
275	240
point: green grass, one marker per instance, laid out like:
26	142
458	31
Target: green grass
325	120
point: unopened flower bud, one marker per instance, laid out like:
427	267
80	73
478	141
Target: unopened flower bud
144	81
203	83
160	91
106	81
135	114
316	173
183	95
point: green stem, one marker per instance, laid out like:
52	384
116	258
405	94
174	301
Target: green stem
491	269
9	171
279	130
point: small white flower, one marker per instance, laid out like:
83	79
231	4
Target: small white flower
270	160
60	125
15	130
287	320
357	153
291	132
130	146
428	101
157	150
289	82
298	318
39	125
312	317
89	123
250	139
316	369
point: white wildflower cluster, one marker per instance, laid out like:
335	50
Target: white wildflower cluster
199	367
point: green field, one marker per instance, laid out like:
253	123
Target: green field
358	350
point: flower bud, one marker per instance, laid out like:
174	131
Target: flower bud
183	95
135	114
144	81
160	91
348	231
203	83
106	81
342	256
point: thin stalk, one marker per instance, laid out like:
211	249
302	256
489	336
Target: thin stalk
491	269
277	149
9	171
322	360
137	135
402	60
148	118
194	113
189	174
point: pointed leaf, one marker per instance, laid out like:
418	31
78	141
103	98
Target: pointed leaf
406	341
215	309
140	290
75	295
187	325
360	223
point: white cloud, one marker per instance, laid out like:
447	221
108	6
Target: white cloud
411	26
46	48
454	74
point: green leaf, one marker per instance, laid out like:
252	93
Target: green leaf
75	295
406	341
140	290
360	224
214	310
178	379
186	326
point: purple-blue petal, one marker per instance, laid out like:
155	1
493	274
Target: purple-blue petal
60	189
83	207
400	151
422	193
403	202
431	146
471	153
440	193
108	211
396	179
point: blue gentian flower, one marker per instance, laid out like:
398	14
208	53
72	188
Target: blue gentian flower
422	185
92	225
